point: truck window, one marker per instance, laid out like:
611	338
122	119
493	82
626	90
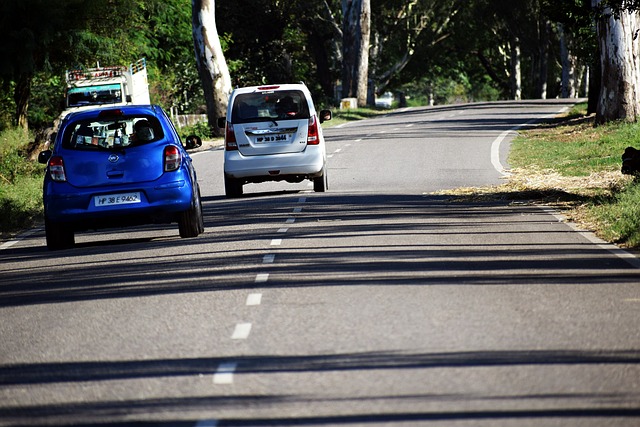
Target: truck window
94	95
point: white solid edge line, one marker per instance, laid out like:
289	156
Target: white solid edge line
495	152
18	238
630	258
495	145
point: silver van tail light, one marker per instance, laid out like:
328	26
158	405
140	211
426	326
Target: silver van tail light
230	142
312	133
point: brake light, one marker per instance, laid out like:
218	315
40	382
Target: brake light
110	113
56	169
172	158
230	142
268	87
312	133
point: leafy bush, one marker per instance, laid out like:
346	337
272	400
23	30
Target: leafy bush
20	182
200	129
618	216
20	204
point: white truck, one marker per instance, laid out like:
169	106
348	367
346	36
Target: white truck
106	87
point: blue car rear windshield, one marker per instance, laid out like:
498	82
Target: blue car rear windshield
270	105
112	133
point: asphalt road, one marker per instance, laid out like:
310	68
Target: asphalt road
374	304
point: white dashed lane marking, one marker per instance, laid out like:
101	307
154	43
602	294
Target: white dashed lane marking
262	278
241	331
224	373
254	299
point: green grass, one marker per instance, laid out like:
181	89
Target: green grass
574	147
20	183
618	216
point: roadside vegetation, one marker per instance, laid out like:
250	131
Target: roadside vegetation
581	163
567	163
20	182
570	164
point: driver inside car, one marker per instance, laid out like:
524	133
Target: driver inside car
142	131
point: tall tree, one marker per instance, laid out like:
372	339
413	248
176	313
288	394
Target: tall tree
574	19
49	35
212	66
30	31
356	32
619	97
405	29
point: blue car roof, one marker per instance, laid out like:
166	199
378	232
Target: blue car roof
154	110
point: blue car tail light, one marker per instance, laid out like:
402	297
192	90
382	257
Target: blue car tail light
172	158
56	169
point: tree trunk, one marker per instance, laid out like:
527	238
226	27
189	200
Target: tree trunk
212	66
363	57
21	96
543	60
568	82
594	87
619	97
355	45
516	70
323	66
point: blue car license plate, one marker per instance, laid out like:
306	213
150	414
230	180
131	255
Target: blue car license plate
117	199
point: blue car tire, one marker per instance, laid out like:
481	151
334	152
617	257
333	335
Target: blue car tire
191	222
58	235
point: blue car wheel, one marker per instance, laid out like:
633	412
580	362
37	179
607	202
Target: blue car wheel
58	235
191	222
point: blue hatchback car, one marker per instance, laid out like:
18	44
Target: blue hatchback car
116	167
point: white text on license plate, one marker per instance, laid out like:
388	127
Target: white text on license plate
273	138
117	199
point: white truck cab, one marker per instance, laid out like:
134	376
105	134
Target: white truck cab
106	86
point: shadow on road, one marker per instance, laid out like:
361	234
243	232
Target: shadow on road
336	240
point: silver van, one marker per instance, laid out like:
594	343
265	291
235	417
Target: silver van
273	133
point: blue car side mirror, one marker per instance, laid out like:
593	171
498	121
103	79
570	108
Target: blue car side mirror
44	156
193	141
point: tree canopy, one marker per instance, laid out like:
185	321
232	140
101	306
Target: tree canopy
433	50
